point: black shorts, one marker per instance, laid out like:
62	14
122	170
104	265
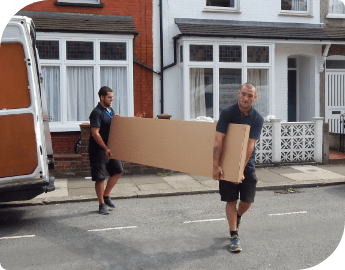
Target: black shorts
112	166
230	192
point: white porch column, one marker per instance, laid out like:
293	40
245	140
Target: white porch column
318	138
276	140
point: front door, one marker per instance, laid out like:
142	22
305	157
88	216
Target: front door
292	90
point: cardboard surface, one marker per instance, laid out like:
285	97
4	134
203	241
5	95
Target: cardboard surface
182	146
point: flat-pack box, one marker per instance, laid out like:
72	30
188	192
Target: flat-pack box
182	146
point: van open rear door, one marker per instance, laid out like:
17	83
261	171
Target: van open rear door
23	148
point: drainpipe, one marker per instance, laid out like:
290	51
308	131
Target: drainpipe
161	52
162	67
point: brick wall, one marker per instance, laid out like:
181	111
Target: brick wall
64	142
141	12
67	163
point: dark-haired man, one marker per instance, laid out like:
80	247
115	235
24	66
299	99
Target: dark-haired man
239	113
100	154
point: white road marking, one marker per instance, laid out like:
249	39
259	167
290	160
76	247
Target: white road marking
292	213
204	220
109	229
16	237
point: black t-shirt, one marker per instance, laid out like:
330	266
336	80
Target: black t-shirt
101	118
232	114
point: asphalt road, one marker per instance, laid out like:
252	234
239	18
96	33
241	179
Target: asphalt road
280	231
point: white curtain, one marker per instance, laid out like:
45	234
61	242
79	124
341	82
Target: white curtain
51	84
80	93
299	5
116	79
197	92
259	77
336	7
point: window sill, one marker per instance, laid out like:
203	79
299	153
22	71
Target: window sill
78	5
221	9
335	16
292	14
59	127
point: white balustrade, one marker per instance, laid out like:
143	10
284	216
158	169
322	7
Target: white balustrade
283	142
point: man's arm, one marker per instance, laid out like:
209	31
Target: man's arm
250	148
217	151
95	134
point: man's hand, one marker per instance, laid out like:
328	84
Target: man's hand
217	172
108	153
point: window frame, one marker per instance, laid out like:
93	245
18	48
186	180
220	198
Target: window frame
308	12
63	63
186	65
92	2
334	15
235	9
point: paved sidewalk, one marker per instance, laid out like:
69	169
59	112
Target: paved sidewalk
140	186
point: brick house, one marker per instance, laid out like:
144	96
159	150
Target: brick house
84	45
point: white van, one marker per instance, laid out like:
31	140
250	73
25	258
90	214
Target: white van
25	143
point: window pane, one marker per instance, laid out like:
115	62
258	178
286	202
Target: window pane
201	53
181	53
78	50
220	3
48	49
116	79
259	77
336	7
257	54
51	84
295	5
230	81
335	64
230	54
80	93
292	63
201	92
113	51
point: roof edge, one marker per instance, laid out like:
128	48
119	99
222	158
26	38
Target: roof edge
246	23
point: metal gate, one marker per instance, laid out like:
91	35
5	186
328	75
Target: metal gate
334	99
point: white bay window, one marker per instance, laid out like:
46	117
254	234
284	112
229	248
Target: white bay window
221	6
213	74
336	9
296	7
75	66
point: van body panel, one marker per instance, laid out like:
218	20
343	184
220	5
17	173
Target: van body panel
14	83
20	150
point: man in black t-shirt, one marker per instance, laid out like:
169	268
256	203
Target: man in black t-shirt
239	113
100	154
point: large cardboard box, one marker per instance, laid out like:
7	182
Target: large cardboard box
182	146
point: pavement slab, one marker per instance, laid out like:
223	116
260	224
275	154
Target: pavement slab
138	186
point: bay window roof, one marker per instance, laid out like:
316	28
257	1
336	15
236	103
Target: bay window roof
267	30
80	22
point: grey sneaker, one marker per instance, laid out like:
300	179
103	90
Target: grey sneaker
235	244
103	210
108	202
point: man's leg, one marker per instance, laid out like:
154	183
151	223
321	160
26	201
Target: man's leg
231	214
243	207
99	187
110	184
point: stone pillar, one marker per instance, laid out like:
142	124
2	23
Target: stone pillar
276	140
85	161
325	146
318	138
